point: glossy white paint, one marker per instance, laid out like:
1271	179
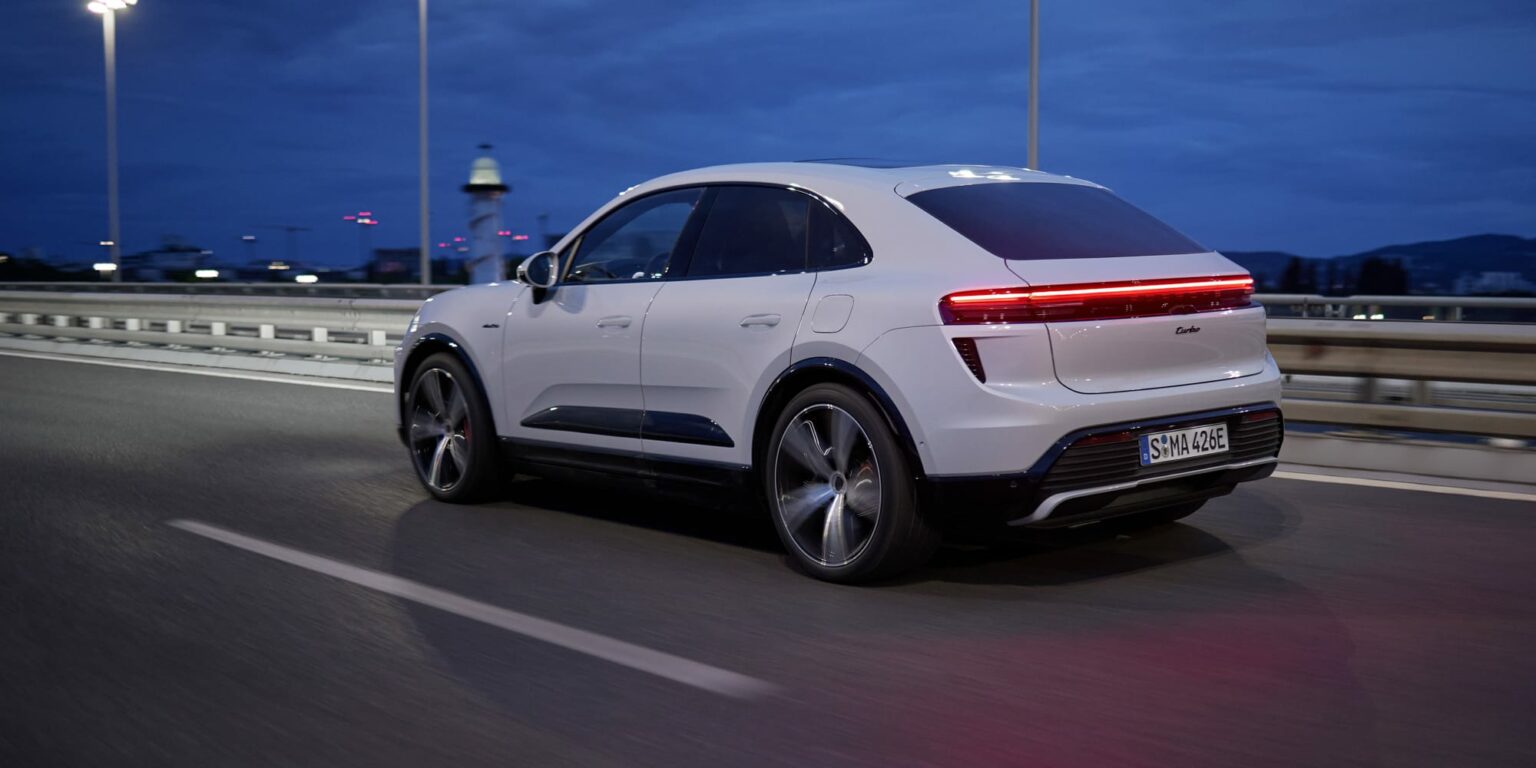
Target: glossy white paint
579	347
688	348
1154	352
712	347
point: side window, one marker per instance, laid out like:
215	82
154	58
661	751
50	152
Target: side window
834	241
752	231
634	242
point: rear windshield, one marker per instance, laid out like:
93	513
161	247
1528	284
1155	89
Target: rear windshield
1042	220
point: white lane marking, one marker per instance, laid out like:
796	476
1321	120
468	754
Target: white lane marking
676	668
1402	486
164	368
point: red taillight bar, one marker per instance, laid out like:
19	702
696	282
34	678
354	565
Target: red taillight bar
1082	301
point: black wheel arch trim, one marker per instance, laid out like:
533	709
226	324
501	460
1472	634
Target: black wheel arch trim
893	416
421	348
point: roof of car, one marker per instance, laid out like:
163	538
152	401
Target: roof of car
883	174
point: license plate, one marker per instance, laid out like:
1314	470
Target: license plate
1179	444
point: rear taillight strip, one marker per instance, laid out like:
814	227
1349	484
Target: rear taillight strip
1083	301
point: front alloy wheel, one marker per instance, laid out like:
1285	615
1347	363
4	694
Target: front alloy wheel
448	431
440	429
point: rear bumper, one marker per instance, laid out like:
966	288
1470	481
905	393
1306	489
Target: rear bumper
1096	473
1091	504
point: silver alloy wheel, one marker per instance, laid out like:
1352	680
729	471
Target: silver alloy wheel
826	485
439	429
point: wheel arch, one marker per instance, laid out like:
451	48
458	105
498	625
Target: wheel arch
427	345
828	370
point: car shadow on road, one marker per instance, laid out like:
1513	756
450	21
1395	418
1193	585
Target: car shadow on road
1098	627
738	524
1109	550
1028	558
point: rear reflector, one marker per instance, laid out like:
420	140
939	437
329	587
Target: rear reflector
1091	301
1253	416
1106	439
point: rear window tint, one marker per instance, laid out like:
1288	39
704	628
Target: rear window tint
834	241
752	231
1041	220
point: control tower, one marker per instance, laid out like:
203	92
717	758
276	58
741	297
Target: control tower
486	264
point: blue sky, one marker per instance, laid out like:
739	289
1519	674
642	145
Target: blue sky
1319	128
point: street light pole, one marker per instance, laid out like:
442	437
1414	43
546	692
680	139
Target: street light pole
108	9
1034	84
426	256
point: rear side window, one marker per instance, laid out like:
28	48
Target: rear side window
1041	220
834	241
752	231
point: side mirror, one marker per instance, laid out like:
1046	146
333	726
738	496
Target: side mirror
541	270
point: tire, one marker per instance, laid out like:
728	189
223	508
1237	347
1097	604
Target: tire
449	433
831	448
1155	517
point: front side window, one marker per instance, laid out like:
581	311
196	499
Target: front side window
635	242
752	231
1043	220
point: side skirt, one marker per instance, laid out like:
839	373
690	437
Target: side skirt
704	481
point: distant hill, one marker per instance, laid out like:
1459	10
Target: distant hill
1433	267
1265	266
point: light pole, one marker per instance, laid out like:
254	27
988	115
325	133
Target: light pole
1034	84
108	9
426	257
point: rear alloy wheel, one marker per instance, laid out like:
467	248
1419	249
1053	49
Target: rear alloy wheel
448	431
840	489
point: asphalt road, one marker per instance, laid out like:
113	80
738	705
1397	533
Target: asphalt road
1293	623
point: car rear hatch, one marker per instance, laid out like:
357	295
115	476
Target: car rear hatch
1130	303
1164	321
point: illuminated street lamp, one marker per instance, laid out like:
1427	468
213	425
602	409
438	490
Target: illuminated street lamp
108	9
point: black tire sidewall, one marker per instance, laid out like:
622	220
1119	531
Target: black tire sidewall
888	550
478	481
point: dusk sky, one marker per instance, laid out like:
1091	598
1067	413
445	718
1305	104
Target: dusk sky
1319	128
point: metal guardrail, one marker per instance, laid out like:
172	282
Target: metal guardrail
353	329
313	290
1433	308
367	329
1472	352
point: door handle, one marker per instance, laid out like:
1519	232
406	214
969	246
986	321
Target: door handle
615	321
766	320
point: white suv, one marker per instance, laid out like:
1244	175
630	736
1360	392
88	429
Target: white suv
881	353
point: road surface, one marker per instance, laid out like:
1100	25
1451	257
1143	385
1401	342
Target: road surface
315	608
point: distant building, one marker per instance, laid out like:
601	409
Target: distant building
173	260
1468	283
395	265
403	265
